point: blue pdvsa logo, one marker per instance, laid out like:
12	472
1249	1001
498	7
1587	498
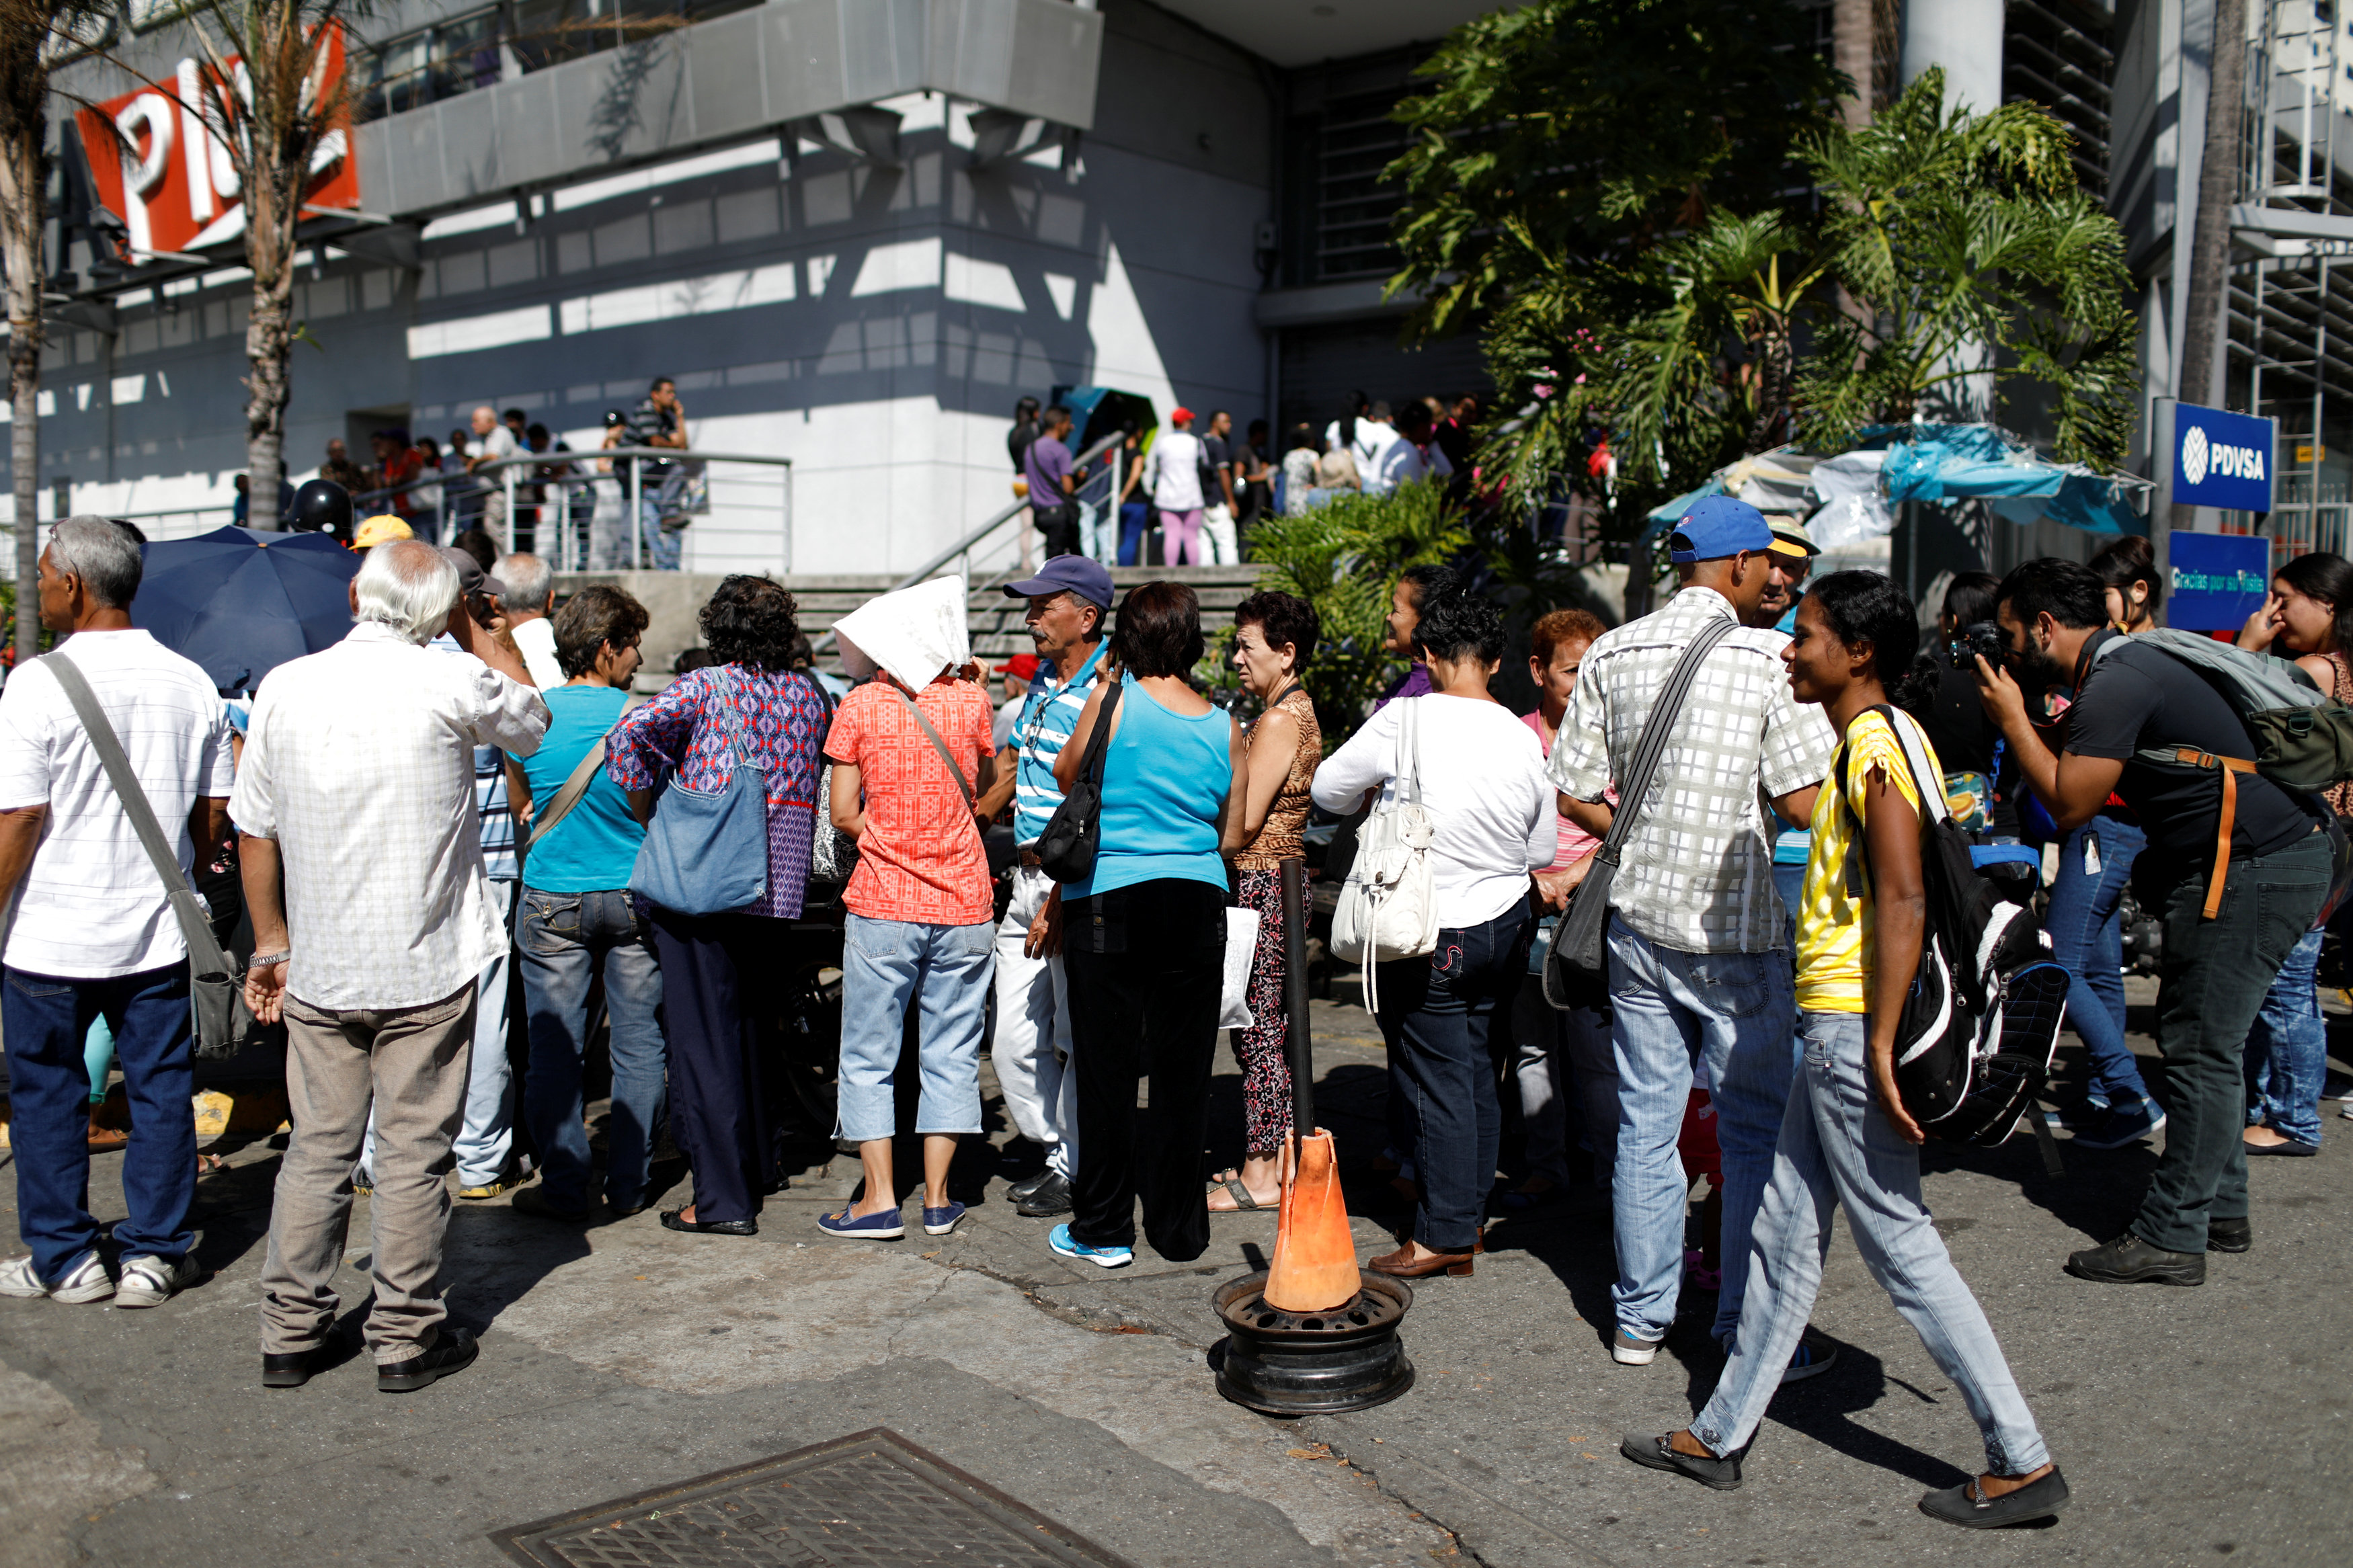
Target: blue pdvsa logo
2223	459
2201	456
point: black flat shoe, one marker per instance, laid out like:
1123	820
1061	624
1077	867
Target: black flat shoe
1963	1505
290	1369
2229	1235
1049	1196
1023	1188
670	1221
2290	1148
454	1350
2129	1260
1655	1454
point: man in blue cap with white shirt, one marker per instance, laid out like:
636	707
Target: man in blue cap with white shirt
1700	970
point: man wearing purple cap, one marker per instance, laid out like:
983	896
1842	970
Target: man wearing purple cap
1701	983
1068	600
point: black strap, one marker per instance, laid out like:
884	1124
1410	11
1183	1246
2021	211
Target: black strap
1092	765
1656	731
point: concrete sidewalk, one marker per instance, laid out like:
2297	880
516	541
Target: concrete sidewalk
2193	1424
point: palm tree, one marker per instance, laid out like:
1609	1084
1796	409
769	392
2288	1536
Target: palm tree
36	37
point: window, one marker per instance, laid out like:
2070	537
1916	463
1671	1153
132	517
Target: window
476	48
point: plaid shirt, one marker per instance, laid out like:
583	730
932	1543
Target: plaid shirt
1697	871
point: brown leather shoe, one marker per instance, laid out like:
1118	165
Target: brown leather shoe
1402	1265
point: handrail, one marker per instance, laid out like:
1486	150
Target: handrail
543	459
923	572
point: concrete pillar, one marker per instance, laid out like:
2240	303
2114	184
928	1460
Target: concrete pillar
1965	38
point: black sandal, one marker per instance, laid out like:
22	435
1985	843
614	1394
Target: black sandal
671	1221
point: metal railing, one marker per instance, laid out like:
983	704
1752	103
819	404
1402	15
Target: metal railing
587	506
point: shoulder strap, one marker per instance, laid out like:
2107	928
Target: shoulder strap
194	926
1655	732
574	786
1408	766
937	745
1093	765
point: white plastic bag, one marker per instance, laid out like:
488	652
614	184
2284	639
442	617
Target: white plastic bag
1242	945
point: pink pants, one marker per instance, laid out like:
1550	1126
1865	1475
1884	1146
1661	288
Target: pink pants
1182	532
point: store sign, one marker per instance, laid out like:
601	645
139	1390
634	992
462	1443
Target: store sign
160	166
2215	581
2221	460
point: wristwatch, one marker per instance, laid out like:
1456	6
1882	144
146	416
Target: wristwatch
267	960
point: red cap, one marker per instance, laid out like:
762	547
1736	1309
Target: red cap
1180	416
1023	666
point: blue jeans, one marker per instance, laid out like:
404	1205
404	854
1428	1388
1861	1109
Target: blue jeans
46	1022
2087	937
1727	1019
659	496
1134	522
2287	1050
565	940
1837	1147
945	971
1437	1014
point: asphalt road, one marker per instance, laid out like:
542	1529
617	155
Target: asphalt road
2194	1425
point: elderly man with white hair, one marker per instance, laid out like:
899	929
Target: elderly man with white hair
492	442
527	603
357	784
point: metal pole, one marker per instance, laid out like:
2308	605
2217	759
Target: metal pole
515	519
789	520
637	526
1298	1042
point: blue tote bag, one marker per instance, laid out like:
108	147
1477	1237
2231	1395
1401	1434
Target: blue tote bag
706	851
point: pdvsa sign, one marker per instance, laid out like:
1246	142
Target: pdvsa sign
158	160
2221	460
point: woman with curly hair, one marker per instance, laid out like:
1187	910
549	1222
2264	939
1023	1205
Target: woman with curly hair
720	979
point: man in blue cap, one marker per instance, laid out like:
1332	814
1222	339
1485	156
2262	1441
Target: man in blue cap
1069	599
1701	983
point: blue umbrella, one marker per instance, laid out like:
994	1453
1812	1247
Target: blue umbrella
241	602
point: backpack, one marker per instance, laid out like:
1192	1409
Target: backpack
2303	741
1980	1024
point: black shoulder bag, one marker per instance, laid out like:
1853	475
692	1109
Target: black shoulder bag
1066	850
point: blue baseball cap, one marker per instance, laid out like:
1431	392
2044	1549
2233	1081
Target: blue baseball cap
1717	527
1089	579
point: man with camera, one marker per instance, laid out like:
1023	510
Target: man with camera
2237	871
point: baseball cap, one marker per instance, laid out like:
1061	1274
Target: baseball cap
1089	579
1717	527
1021	667
381	529
1180	416
1790	538
472	578
615	416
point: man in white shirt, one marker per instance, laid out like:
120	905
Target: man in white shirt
1173	469
492	441
528	602
92	932
1411	455
358	782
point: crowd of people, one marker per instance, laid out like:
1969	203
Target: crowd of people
464	782
1190	494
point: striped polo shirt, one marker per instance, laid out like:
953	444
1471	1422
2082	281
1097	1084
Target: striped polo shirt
1047	720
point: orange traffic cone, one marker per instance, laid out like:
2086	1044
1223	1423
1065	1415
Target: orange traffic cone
1314	1268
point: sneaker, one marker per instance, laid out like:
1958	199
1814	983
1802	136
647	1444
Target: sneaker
152	1282
1062	1241
887	1226
364	1183
2127	1123
1048	1197
941	1221
453	1351
1626	1349
481	1192
87	1281
2129	1260
1813	1358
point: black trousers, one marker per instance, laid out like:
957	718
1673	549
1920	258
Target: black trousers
1060	524
1144	964
722	987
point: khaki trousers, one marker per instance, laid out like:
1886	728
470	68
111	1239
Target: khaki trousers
410	1064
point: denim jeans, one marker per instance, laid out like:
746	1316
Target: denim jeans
945	972
2216	973
659	495
565	940
1436	1015
46	1021
1837	1147
2087	937
2287	1050
1727	1021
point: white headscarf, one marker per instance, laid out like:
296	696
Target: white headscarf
914	633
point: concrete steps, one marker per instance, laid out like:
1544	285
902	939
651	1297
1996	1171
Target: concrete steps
675	599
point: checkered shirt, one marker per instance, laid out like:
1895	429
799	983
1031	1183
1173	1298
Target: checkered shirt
1697	871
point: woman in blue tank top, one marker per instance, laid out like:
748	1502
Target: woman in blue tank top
1143	938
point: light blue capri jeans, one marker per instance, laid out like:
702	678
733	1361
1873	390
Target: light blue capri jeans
1837	1147
945	971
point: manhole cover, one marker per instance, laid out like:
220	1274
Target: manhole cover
871	1499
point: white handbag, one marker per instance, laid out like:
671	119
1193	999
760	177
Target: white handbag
1389	905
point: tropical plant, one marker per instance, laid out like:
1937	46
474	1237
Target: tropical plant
37	38
1972	253
1344	558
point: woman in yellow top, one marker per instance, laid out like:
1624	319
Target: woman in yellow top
1849	1140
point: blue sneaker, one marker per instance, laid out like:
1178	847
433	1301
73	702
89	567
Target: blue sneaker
888	1226
1101	1257
2126	1122
939	1222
